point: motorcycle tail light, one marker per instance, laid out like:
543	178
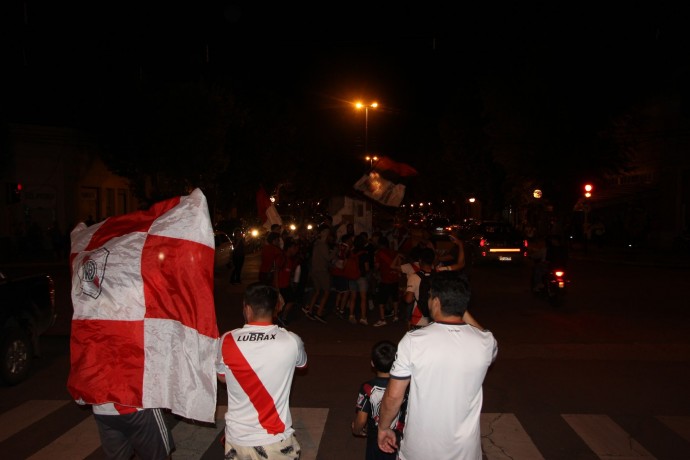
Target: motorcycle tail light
559	273
524	243
482	242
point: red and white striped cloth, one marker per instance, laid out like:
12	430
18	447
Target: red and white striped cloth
144	331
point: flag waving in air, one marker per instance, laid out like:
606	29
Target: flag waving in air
377	188
395	167
144	331
266	209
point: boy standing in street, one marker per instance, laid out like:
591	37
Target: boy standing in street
369	402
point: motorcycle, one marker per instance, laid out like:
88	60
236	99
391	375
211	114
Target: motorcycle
554	285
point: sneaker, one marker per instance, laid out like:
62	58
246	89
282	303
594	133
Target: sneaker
371	304
319	318
306	310
395	319
339	313
352	319
363	322
379	323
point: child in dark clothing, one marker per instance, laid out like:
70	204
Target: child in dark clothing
369	402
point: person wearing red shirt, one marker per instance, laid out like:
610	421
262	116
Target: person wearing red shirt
386	260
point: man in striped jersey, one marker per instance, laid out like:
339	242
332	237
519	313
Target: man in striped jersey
257	362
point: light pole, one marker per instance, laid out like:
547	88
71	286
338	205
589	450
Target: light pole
366	107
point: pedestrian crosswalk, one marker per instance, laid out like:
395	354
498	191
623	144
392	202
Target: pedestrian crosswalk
503	435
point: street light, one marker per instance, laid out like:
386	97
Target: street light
366	107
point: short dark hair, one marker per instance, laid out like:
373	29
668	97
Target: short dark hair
271	237
383	355
452	288
415	253
289	242
360	241
427	256
261	298
275	227
383	242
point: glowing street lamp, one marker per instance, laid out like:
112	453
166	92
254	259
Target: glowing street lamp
366	107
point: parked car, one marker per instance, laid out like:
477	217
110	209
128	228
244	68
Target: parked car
27	310
224	248
494	241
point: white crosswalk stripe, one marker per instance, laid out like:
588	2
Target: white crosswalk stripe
680	425
503	436
15	420
191	439
78	442
606	439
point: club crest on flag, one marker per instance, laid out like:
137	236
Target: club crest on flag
92	272
144	331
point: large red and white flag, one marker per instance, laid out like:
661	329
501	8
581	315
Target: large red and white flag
144	331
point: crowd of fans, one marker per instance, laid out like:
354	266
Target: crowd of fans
364	279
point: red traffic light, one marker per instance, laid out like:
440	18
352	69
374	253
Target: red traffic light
14	192
588	190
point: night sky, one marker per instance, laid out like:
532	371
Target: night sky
403	55
528	62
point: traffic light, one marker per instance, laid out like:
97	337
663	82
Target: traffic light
14	192
588	190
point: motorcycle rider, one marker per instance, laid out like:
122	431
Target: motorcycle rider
550	252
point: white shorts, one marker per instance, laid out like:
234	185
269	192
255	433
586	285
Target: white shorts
287	449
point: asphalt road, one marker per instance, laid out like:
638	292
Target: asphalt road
613	360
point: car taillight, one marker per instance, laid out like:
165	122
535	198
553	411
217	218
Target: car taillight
559	273
524	242
482	242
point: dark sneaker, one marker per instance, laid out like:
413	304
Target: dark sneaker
320	319
306	310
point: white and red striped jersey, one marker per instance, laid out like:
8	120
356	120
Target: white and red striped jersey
259	361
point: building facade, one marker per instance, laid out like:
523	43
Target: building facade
63	182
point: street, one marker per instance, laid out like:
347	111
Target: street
604	376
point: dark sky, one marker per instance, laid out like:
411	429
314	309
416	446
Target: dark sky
404	54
